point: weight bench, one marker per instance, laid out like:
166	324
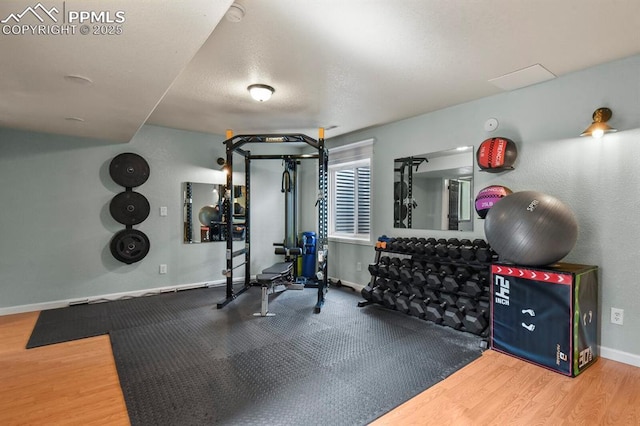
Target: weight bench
275	279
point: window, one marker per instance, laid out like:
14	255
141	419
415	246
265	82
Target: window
350	191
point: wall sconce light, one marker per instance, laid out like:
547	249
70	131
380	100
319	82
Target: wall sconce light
261	92
223	165
599	126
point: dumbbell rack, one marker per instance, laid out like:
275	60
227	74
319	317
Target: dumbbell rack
441	281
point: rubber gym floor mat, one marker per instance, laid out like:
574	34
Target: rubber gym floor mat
80	321
182	361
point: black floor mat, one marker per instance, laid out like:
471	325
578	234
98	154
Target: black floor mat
182	361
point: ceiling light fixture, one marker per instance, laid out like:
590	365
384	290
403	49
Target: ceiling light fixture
599	126
261	92
78	79
235	13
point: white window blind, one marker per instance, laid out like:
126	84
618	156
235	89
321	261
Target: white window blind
350	191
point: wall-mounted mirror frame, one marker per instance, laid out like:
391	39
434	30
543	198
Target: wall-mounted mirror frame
434	191
203	212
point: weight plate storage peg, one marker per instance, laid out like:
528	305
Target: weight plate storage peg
129	208
129	170
129	246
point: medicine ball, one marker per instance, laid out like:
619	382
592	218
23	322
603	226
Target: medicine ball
496	155
488	196
530	228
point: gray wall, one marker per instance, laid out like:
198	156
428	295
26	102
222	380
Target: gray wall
598	179
56	226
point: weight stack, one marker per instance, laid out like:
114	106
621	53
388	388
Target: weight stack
129	207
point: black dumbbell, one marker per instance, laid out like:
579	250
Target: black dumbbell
406	275
442	250
429	249
466	302
446	269
472	287
450	284
486	255
455	252
377	295
389	299
420	275
403	302
479	242
434	312
383	283
417	289
366	292
475	322
432	295
434	281
468	252
404	288
409	247
417	307
393	270
453	317
373	268
393	285
448	299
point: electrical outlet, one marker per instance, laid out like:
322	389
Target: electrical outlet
359	266
617	316
163	268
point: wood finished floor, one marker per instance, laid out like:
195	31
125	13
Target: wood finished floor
76	383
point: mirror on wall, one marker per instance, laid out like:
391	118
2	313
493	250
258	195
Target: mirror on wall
204	219
434	191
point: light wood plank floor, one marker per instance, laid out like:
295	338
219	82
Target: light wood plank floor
76	383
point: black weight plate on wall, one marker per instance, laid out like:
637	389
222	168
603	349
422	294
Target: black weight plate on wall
129	246
129	208
129	170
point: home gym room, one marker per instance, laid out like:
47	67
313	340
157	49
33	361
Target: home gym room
129	138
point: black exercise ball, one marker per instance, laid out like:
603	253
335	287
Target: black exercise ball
530	228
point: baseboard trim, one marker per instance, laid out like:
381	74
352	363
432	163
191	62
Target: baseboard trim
107	297
620	356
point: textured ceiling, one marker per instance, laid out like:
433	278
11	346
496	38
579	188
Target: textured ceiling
351	64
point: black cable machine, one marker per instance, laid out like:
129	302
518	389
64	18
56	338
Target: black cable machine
234	145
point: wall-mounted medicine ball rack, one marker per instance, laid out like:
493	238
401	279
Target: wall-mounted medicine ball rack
442	281
129	207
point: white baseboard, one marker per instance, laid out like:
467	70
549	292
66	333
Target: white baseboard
107	297
620	356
